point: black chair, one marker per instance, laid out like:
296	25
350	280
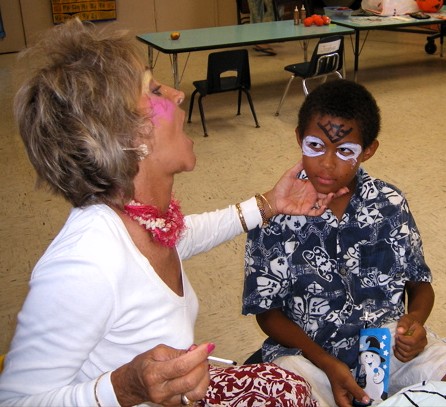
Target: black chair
256	357
327	59
219	63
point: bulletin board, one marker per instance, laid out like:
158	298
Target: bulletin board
85	10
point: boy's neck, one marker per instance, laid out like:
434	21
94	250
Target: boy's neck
339	205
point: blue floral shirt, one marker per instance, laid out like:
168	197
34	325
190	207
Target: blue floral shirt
328	276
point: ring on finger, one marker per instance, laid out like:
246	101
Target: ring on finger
316	206
185	401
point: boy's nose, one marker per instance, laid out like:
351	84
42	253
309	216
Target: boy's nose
328	160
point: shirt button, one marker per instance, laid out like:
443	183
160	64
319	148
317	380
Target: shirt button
343	272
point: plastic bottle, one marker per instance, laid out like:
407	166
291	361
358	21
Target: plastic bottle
296	16
303	13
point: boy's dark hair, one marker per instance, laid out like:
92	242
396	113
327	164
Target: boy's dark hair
345	99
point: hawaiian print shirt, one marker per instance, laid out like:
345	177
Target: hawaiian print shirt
330	276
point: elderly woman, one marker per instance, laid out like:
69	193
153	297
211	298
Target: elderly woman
110	313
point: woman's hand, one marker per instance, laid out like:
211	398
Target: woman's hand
410	339
293	196
162	375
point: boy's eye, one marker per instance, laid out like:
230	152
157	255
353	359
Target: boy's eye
313	146
316	146
346	152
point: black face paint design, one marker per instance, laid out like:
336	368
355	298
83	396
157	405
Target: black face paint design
334	132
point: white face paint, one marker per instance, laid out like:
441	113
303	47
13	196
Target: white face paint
313	146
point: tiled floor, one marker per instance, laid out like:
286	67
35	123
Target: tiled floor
237	160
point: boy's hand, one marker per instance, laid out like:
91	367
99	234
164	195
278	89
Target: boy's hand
410	339
343	385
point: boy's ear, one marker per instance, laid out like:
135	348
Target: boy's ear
370	151
299	139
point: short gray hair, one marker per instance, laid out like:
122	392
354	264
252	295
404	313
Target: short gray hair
79	110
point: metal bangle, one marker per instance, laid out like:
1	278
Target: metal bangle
268	204
95	389
261	207
241	217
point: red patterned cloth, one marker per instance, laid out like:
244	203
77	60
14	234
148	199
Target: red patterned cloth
262	385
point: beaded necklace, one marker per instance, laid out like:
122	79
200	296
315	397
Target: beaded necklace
165	228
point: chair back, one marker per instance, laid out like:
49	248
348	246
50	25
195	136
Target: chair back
243	13
234	63
327	56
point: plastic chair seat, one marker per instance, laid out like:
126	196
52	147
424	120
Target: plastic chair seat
227	84
300	69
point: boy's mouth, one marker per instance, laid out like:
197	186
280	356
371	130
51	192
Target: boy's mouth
325	180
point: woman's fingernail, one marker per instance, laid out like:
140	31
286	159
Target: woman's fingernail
211	347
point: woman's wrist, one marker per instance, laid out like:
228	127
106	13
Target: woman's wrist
270	202
265	208
254	212
127	389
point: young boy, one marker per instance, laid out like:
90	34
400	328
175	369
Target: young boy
314	282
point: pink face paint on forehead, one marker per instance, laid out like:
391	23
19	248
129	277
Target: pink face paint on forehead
334	132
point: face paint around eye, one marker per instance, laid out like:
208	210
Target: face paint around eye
349	151
309	148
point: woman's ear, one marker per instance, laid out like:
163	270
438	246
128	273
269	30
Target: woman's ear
370	151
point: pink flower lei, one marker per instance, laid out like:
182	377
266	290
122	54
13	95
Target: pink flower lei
165	228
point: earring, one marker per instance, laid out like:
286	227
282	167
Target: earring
142	151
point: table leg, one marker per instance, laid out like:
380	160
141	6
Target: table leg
151	58
305	46
176	80
356	52
442	31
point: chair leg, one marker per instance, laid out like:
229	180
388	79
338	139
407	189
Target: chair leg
287	87
191	105
305	88
203	120
239	102
305	83
251	105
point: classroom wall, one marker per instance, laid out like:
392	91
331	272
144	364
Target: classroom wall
25	19
12	24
